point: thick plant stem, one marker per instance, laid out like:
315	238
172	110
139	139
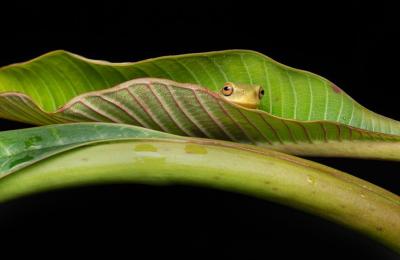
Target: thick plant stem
298	183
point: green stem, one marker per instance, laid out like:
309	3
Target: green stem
269	175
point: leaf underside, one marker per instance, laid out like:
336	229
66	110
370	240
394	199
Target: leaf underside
190	110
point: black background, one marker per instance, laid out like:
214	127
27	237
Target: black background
352	43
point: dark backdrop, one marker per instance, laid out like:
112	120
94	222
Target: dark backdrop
352	44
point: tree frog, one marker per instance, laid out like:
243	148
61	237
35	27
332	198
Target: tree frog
245	95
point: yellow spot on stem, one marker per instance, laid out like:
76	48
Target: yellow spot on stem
145	148
311	179
195	149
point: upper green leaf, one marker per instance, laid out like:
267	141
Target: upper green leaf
55	78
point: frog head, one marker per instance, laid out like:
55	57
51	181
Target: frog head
245	95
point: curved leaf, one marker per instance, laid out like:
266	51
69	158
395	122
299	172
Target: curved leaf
21	148
187	109
302	113
150	157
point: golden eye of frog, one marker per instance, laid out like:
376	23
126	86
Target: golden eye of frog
242	94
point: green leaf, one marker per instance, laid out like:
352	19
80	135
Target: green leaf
301	113
21	148
124	154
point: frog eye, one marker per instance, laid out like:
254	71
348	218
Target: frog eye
227	90
261	93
